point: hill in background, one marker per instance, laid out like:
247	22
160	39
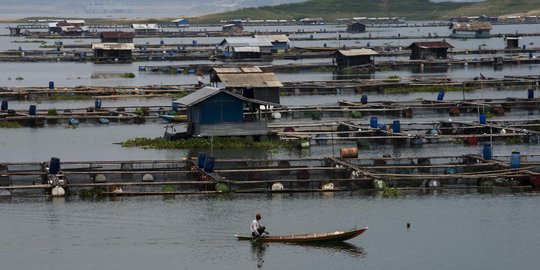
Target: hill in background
410	9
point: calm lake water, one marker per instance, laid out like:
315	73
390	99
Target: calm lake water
466	229
449	230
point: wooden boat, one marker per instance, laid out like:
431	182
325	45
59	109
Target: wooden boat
336	236
173	118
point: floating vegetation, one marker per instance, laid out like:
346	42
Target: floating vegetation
142	111
29	41
19	78
513	140
204	143
9	124
393	78
128	75
68	97
52	111
92	194
390	192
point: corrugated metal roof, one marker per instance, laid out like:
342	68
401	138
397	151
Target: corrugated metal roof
113	46
249	80
246	42
144	26
247	49
198	96
251	69
471	26
274	38
75	21
357	52
223	70
207	92
432	45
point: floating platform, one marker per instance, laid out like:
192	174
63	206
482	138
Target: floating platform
193	176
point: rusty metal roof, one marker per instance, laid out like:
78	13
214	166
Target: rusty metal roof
244	80
274	38
432	45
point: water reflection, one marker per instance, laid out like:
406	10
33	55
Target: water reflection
338	247
258	249
257	253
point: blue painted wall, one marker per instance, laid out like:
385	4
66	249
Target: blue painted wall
221	108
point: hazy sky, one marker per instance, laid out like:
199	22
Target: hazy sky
124	8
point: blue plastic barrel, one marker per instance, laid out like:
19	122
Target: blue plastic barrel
530	93
174	106
201	158
482	119
73	122
161	42
97	103
530	55
396	126
486	151
440	95
4	105
363	99
209	165
54	165
524	46
194	42
32	110
373	122
451	170
515	160
51	85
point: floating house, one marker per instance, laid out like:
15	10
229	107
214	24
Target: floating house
145	28
181	22
113	52
115	46
245	48
429	50
68	28
280	43
232	28
354	58
471	29
250	82
217	112
356	27
512	41
117	37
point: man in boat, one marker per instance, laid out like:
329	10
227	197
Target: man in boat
256	228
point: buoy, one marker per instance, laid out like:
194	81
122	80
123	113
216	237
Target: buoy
433	183
321	139
58	192
348	152
104	121
116	189
148	178
222	187
73	122
276	115
277	186
100	178
379	184
328	186
304	144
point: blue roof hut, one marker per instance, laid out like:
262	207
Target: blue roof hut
217	112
